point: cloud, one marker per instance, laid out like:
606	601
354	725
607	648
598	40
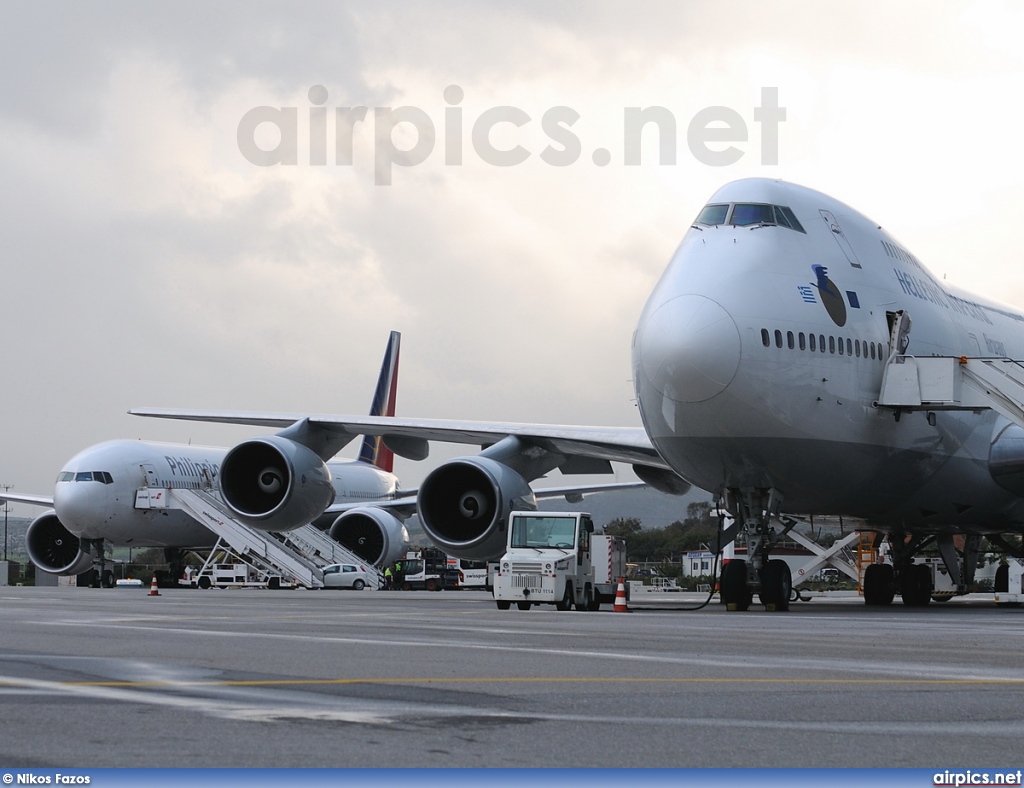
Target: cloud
146	262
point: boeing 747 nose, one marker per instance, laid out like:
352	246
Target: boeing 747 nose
689	349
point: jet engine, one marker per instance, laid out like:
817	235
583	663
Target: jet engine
275	484
1006	459
53	548
464	506
376	536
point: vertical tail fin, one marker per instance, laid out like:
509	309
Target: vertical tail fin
373	450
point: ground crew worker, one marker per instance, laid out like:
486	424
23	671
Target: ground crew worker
387	579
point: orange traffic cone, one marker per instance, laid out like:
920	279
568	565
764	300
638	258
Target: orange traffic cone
152	588
620	597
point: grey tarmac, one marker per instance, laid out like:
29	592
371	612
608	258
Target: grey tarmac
255	678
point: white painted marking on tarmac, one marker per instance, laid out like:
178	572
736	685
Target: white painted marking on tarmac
370	713
342	711
789	665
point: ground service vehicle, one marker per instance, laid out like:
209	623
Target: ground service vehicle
426	570
549	559
1009	582
472	574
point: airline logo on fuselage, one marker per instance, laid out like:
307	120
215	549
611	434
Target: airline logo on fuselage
831	298
183	466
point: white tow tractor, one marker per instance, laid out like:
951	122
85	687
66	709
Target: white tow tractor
550	558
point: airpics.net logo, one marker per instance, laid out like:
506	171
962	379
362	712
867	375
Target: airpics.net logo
713	134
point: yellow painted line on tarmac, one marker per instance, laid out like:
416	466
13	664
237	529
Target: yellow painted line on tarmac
543	680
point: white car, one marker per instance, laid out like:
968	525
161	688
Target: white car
352	576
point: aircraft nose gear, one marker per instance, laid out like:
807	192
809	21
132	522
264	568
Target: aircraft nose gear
752	510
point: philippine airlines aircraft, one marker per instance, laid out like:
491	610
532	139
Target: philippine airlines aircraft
94	497
758	362
273	483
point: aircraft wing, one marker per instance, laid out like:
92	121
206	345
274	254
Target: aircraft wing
408	437
402	507
406	505
575	494
32	500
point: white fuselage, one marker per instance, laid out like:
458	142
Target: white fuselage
94	497
734	393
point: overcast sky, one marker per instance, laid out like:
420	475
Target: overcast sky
147	262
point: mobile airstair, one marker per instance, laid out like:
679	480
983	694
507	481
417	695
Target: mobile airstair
934	383
298	555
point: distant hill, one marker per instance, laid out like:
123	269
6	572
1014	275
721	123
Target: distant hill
16	528
652	508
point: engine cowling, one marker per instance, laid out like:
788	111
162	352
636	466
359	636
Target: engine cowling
275	484
53	548
464	506
376	536
1006	459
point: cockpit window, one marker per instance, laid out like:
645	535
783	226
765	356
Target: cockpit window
791	217
744	214
747	214
713	214
86	476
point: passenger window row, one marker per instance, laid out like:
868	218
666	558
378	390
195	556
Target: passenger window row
819	343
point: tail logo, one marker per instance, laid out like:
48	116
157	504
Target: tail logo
373	450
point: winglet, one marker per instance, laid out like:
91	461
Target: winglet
373	450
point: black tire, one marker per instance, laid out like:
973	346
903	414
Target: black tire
358	585
503	604
879	585
205	582
108	579
584	604
523	605
595	604
916	585
431	585
274	583
776	585
565	603
733	585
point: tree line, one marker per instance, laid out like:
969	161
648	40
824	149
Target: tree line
665	544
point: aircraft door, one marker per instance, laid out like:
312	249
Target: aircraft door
841	239
899	331
150	471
